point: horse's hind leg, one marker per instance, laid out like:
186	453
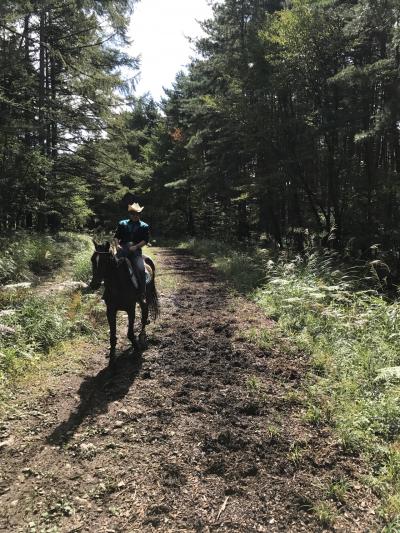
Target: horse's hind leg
144	306
112	322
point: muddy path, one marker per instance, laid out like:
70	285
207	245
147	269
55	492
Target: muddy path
201	432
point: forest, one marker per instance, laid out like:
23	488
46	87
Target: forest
266	395
283	131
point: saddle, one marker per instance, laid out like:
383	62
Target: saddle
133	275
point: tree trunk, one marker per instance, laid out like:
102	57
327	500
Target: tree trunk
42	124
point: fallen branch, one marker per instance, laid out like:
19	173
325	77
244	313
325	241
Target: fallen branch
222	508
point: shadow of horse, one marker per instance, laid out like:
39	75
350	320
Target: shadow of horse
97	392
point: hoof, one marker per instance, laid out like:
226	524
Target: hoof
135	345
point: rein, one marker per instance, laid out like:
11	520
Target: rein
111	252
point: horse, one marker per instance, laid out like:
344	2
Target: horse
120	294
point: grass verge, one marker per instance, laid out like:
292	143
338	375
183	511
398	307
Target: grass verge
166	279
30	256
42	332
243	268
37	325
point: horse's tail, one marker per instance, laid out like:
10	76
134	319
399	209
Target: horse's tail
151	292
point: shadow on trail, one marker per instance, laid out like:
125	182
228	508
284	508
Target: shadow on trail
96	392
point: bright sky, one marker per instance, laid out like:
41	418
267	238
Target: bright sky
158	29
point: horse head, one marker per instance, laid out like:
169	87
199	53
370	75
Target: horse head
101	260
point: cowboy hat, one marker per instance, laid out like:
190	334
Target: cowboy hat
135	208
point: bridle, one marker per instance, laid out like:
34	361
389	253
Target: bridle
96	258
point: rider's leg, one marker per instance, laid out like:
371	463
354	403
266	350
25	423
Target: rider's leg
123	251
138	264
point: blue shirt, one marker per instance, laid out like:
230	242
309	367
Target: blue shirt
135	232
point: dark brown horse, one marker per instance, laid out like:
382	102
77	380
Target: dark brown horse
121	295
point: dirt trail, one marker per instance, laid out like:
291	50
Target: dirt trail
197	434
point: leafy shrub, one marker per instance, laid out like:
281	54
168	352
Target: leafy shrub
41	323
44	254
351	334
37	325
82	267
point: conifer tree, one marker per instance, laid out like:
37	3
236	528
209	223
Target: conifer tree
61	63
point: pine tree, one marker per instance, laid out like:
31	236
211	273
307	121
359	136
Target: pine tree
61	62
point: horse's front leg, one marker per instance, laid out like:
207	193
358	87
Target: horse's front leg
131	325
112	322
145	320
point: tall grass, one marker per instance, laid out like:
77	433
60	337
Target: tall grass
31	324
243	267
353	338
350	334
27	255
39	324
81	264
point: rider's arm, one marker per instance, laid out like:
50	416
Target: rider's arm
137	246
144	235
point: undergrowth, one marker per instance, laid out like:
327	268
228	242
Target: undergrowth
37	325
81	265
244	268
26	256
32	325
352	334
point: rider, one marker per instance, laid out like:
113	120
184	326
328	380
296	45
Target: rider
132	234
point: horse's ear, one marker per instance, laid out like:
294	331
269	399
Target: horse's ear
113	249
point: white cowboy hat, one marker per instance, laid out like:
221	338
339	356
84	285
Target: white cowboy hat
135	208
